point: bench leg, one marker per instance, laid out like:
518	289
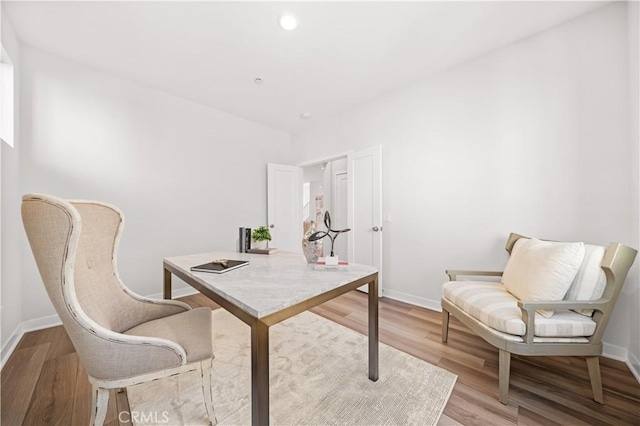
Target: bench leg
593	364
445	325
503	375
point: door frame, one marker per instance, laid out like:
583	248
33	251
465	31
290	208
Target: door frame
376	151
325	159
322	160
334	197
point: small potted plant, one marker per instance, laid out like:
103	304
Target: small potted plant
260	236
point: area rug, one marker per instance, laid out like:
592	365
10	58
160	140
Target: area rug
318	376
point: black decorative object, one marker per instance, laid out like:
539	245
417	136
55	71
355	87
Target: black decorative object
321	234
242	240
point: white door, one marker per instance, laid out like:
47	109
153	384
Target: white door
284	207
365	209
339	219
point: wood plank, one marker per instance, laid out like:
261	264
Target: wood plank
494	411
471	414
584	408
199	301
485	381
19	379
527	417
123	407
57	338
448	421
82	399
112	410
546	408
52	402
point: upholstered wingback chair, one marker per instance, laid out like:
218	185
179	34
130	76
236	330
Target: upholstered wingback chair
121	338
553	299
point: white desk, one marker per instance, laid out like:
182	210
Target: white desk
271	289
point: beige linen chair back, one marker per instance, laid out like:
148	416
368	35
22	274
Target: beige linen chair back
122	339
96	284
74	245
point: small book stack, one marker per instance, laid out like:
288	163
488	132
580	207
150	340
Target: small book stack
269	250
321	265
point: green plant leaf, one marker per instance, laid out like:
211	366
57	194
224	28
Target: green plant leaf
261	233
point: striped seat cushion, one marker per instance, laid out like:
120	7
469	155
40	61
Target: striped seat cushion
493	305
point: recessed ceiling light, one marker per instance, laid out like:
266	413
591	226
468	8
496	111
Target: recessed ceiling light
288	22
305	115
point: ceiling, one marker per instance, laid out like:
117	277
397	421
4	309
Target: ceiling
341	55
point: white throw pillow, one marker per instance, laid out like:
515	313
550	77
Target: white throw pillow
590	280
542	270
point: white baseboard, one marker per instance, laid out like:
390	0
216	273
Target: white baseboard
25	327
54	320
10	345
40	323
618	353
634	365
413	300
176	293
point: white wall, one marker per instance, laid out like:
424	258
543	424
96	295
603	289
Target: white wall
11	231
317	189
633	281
185	175
532	138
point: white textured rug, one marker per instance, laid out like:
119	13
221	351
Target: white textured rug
318	373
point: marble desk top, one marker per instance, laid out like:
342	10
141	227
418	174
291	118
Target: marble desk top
269	283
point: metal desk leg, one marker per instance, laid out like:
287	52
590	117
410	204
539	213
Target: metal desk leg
259	374
373	329
167	285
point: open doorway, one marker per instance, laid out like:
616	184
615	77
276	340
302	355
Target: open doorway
325	188
358	174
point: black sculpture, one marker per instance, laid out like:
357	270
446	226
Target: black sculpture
321	234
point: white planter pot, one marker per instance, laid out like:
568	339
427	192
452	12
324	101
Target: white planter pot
259	245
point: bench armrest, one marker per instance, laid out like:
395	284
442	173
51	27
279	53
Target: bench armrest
453	273
598	304
529	310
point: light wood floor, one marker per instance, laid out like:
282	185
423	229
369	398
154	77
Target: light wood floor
45	383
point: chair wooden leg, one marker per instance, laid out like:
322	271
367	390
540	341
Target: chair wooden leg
503	375
593	364
445	325
206	371
99	406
